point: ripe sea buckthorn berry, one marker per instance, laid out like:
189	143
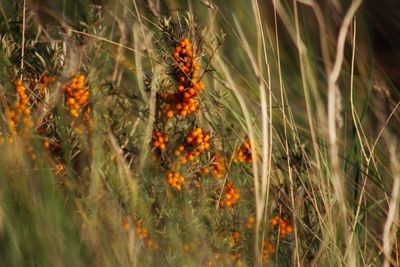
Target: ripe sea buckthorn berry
46	144
125	223
205	171
236	237
74	113
170	114
183	113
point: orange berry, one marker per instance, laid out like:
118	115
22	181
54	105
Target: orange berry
20	89
200	85
205	171
71	101
282	232
236	235
192	91
74	113
46	144
83	99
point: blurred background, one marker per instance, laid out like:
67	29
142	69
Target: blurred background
91	216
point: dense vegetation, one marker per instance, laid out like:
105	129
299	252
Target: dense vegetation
196	133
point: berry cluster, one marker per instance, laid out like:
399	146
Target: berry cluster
185	100
143	234
231	196
236	238
49	145
179	150
268	250
244	154
59	168
76	95
87	117
199	142
249	222
284	226
175	180
236	256
218	166
235	246
140	230
170	99
20	112
29	148
160	140
175	105
43	84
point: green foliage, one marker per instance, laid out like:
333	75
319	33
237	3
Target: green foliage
98	194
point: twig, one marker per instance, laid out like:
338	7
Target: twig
23	39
